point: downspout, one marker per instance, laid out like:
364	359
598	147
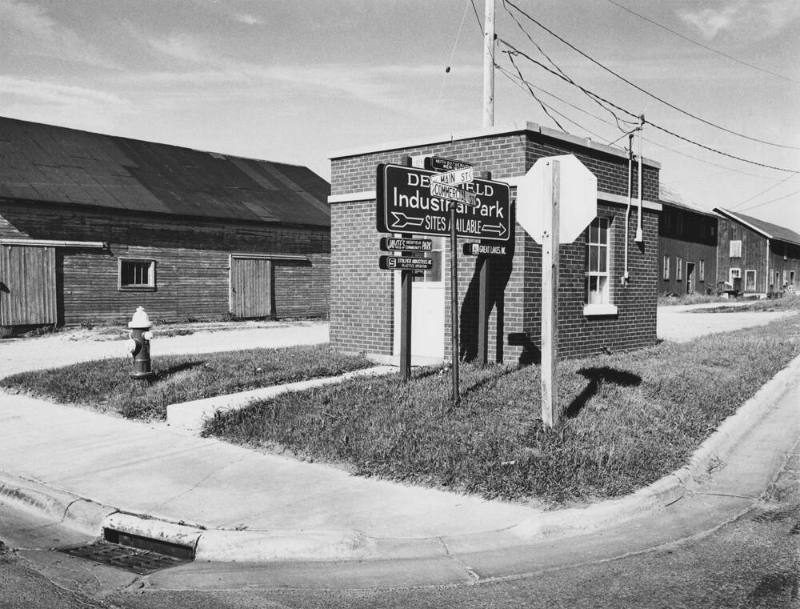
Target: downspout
639	235
630	201
766	279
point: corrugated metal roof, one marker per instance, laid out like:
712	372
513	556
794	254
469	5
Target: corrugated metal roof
768	229
45	163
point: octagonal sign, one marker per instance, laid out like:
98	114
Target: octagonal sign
577	200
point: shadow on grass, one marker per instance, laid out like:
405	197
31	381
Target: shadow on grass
595	377
165	373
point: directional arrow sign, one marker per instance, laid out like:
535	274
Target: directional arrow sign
405	204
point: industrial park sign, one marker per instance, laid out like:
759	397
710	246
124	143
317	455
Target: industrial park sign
406	205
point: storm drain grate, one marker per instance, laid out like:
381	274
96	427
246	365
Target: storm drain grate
135	560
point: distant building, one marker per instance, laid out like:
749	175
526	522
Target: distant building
92	226
598	309
757	257
687	249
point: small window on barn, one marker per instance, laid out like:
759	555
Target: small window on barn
598	285
137	274
679	268
736	248
666	268
749	280
701	270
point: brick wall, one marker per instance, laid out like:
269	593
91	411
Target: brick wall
362	295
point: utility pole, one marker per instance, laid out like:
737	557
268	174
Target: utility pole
488	65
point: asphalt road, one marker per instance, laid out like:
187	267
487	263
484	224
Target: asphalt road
752	562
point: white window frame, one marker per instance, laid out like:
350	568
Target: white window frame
701	270
665	268
746	282
678	268
598	300
149	285
735	250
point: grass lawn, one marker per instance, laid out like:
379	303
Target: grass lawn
630	418
106	384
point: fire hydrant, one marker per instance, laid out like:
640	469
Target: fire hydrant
139	344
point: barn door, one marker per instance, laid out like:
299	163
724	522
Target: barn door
27	285
251	287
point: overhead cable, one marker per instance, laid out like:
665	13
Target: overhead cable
513	49
643	90
701	45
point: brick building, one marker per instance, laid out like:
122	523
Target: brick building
598	313
92	226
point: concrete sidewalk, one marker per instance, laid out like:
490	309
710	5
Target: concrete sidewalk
230	503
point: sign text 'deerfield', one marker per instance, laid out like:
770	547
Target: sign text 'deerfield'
406	205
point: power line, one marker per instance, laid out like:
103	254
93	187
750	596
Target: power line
791	194
617	119
766	190
477	16
641	89
516	51
541	103
605	122
701	45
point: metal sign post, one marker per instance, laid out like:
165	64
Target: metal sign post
454	301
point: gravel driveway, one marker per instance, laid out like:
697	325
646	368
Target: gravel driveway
78	345
680	324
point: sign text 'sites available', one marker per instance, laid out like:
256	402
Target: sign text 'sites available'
405	204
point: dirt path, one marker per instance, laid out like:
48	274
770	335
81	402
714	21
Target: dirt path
681	324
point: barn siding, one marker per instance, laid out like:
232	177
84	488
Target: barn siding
754	254
192	262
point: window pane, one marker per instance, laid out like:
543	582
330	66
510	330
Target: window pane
592	258
603	231
603	259
593	232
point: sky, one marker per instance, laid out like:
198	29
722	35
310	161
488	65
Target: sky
298	80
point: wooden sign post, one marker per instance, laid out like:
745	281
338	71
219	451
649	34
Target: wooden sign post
550	264
551	184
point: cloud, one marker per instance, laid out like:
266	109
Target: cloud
248	19
182	47
30	30
756	19
53	93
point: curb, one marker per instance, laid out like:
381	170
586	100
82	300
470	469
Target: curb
223	545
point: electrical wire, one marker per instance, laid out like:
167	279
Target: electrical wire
701	45
643	90
791	194
477	16
766	190
541	103
516	51
617	119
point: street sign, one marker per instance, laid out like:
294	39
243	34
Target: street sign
577	189
405	205
437	163
454	178
482	249
451	193
390	244
405	263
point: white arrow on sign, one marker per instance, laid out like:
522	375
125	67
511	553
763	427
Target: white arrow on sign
578	198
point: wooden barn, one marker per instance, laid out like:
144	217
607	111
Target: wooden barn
92	226
687	248
757	258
